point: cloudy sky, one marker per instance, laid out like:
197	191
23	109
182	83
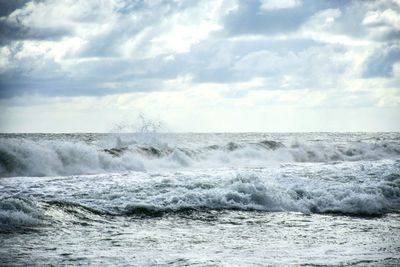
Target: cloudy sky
229	65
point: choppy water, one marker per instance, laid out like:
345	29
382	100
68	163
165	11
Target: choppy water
200	199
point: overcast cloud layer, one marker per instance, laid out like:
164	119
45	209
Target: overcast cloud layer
234	65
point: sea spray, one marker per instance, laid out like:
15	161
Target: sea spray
26	157
142	131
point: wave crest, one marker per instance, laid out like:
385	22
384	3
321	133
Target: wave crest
18	213
23	157
250	192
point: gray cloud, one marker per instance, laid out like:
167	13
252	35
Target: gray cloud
102	64
11	31
380	63
55	87
228	56
354	20
9	6
249	18
15	29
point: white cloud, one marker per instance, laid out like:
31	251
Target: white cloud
279	4
117	58
386	17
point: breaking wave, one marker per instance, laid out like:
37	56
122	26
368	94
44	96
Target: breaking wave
23	157
250	192
18	213
242	191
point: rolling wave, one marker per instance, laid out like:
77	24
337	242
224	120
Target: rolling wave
242	191
23	157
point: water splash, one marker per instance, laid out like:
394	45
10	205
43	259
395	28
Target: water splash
143	130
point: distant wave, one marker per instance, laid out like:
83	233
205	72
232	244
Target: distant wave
23	157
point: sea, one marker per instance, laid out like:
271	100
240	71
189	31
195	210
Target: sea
200	199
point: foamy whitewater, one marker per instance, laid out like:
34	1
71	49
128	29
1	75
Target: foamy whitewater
245	199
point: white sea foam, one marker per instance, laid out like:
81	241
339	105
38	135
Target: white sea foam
342	188
257	192
23	157
48	158
236	190
16	213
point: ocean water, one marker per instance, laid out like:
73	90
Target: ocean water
246	199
